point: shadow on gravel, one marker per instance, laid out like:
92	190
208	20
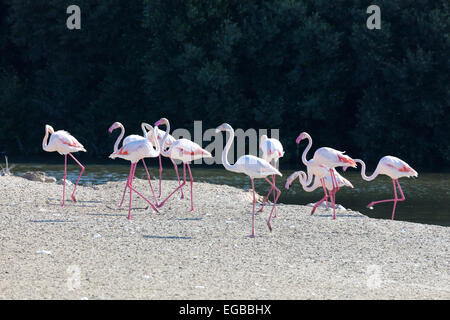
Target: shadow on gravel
51	221
167	237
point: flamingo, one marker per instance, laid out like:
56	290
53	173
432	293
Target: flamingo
272	151
327	157
169	140
393	167
326	182
252	166
64	143
128	139
184	150
133	152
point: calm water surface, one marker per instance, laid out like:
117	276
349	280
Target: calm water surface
427	197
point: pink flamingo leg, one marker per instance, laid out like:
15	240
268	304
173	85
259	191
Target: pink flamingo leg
274	203
192	183
130	185
176	189
321	200
333	202
79	177
129	182
389	200
64	184
178	177
149	181
267	197
126	186
253	213
325	194
160	177
395	200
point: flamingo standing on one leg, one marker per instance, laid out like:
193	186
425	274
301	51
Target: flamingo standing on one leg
169	140
184	150
393	167
133	137
135	151
328	157
64	143
272	151
252	166
326	182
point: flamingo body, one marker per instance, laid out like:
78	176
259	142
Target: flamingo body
393	167
252	166
64	143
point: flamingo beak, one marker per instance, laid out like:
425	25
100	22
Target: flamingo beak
157	123
299	138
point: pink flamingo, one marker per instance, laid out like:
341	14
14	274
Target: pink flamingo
133	152
252	166
169	140
393	167
64	143
327	157
128	139
272	151
326	182
184	150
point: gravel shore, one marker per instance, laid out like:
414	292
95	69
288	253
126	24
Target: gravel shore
89	250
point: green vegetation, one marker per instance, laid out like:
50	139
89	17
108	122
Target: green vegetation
308	65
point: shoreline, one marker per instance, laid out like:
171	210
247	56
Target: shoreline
90	250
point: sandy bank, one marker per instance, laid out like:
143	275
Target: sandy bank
90	250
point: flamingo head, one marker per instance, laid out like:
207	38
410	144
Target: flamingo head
49	128
223	127
114	126
302	136
161	121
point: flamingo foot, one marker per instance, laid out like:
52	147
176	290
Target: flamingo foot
73	198
251	236
270	227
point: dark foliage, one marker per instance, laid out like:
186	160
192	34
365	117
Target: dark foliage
308	65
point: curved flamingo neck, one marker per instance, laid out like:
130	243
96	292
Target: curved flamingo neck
363	171
225	162
119	138
305	152
155	140
306	182
145	127
166	152
44	142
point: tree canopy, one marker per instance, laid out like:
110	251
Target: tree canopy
296	65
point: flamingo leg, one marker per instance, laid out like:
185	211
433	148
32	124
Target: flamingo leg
160	176
64	184
79	177
192	183
321	200
129	182
333	202
130	185
126	186
149	181
325	193
389	200
176	189
178	177
274	203
267	197
253	213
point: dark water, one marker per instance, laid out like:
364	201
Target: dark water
427	197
